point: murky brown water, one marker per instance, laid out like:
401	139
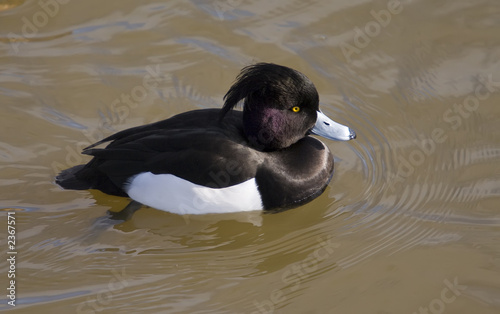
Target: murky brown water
409	224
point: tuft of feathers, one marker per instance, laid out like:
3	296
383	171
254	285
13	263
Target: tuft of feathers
269	84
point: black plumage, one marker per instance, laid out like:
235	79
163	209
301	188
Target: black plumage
219	148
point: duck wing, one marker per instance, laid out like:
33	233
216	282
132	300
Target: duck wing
193	146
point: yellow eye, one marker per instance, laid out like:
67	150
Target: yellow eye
296	109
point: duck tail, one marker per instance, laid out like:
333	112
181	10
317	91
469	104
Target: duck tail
69	179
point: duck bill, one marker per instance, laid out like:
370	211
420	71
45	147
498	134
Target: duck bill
330	129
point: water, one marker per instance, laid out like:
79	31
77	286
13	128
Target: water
410	222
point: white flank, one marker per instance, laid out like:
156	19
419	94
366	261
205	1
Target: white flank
173	194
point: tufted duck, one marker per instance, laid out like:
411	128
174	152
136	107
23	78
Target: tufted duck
222	160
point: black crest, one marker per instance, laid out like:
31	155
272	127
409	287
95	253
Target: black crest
271	85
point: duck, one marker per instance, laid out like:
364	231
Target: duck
221	160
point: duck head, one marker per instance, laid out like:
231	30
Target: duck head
281	106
